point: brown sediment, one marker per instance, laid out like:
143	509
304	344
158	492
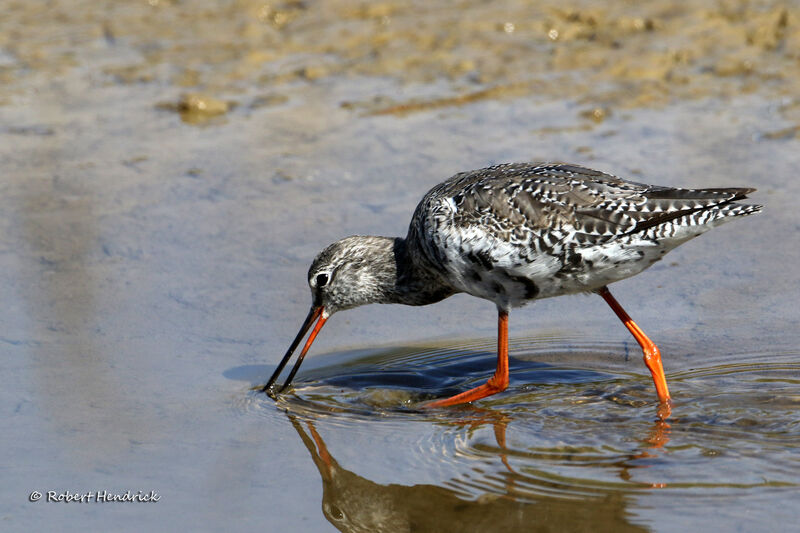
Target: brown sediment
626	56
492	93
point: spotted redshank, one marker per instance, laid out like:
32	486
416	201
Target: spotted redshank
511	234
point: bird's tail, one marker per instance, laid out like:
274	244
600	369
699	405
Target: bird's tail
723	210
736	210
695	211
685	208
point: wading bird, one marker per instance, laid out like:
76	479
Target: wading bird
511	234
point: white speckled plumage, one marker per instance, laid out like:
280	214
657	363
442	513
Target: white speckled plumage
517	232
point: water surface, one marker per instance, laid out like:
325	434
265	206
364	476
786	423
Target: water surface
576	442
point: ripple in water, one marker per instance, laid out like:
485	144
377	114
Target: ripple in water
579	419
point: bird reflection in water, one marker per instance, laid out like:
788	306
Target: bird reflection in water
354	503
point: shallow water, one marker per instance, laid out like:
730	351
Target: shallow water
167	173
574	443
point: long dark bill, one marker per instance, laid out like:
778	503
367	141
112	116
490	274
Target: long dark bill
314	314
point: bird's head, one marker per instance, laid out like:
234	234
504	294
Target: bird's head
351	272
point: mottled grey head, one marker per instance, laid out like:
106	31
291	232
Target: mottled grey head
351	272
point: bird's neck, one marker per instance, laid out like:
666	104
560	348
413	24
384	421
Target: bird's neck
411	281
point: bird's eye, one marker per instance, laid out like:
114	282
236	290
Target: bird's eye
322	280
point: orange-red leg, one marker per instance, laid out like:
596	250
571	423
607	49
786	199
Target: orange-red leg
497	383
652	356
